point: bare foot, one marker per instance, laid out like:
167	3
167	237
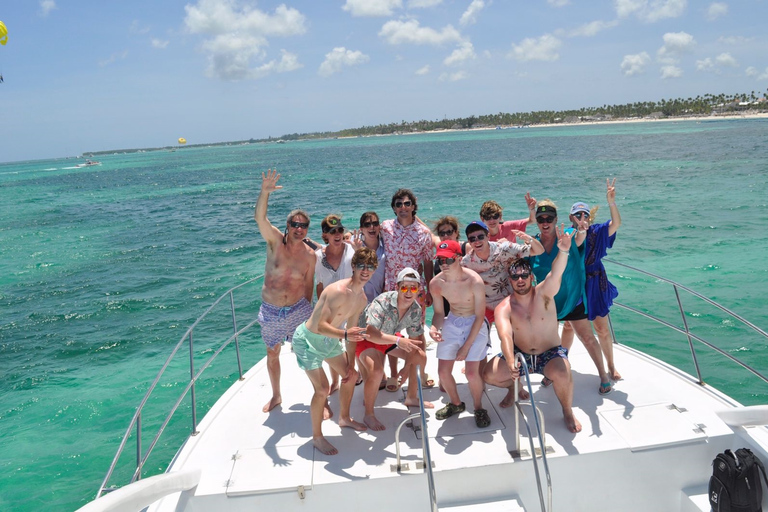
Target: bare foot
615	376
373	423
509	400
572	423
327	412
274	402
324	446
415	403
350	423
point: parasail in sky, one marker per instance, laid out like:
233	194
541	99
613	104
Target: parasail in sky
3	34
182	140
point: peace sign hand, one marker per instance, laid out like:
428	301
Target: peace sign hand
610	193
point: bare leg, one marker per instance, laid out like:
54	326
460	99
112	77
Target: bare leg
496	373
412	395
584	331
566	337
273	367
319	400
348	379
445	373
476	384
372	363
559	371
606	344
334	382
392	366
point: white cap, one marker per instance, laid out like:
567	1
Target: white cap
408	274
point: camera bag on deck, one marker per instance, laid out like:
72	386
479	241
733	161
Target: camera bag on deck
735	484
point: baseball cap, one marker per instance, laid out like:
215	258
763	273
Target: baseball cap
472	226
579	207
408	274
448	249
546	210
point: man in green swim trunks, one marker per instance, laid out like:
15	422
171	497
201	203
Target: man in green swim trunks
320	339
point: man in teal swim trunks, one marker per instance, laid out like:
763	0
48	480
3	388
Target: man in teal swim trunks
320	339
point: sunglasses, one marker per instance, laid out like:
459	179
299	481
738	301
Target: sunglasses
334	231
404	288
495	216
400	204
446	261
476	238
446	233
515	277
370	224
363	266
299	225
581	215
545	220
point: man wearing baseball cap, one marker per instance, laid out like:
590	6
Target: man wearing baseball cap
463	334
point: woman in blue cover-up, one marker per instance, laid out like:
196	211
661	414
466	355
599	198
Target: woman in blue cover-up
600	292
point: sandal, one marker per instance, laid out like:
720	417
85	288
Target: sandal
546	382
449	410
427	382
392	385
481	418
605	388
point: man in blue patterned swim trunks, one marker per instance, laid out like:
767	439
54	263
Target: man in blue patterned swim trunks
288	280
527	323
319	339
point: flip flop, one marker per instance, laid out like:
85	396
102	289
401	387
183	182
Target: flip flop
427	382
392	385
545	382
605	388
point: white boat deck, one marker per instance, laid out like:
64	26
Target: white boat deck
635	452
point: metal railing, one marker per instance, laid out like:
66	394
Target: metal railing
686	329
141	457
539	420
424	443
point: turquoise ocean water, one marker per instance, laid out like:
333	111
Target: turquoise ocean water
104	268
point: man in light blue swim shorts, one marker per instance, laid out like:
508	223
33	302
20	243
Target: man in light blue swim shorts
463	334
320	339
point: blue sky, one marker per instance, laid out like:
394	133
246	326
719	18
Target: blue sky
97	75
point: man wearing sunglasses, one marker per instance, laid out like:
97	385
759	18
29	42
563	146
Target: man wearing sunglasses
320	339
385	318
490	260
370	230
463	334
527	323
500	230
286	296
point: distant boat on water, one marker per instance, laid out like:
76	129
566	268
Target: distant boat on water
88	163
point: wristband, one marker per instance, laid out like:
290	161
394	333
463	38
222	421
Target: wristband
397	340
582	231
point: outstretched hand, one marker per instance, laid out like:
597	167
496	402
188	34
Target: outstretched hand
610	193
269	182
563	238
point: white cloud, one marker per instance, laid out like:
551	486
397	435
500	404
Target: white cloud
589	29
705	64
114	58
453	77
751	71
635	64
544	48
46	6
422	4
716	10
464	52
675	44
650	10
558	3
726	59
764	76
136	28
470	15
401	32
733	39
158	43
339	58
671	72
423	71
288	62
372	7
239	34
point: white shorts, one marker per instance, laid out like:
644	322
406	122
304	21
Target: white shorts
455	332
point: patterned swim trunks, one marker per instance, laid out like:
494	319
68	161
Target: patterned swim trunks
278	323
536	363
312	349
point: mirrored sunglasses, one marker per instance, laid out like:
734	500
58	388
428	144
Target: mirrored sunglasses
405	288
362	266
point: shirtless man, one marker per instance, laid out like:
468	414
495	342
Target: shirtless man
385	317
286	297
319	339
527	323
463	334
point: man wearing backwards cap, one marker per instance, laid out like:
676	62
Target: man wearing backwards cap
491	259
386	316
463	334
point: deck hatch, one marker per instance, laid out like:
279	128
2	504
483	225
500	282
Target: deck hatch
641	427
249	477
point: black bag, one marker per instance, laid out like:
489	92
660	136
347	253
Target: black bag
735	484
